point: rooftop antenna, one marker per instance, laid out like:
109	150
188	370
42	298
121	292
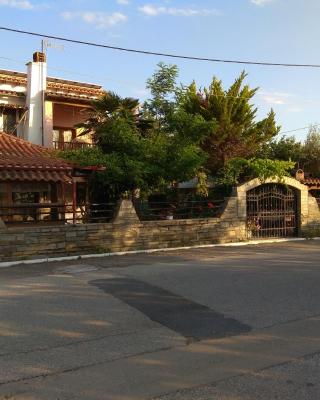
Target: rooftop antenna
45	44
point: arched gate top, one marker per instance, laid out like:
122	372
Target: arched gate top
286	181
244	188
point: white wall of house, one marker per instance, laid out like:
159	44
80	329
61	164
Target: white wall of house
11	88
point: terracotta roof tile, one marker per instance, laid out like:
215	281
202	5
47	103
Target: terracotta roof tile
311	181
34	175
12	93
11	105
57	89
71	96
22	160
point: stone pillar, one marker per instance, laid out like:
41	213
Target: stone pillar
126	214
126	228
2	225
231	210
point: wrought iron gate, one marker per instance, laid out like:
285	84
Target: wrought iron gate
272	211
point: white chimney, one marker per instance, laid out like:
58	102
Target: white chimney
36	86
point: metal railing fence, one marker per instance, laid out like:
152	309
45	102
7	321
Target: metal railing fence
60	145
45	213
153	211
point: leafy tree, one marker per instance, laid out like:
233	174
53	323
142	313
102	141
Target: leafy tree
265	168
238	170
165	109
285	148
137	154
311	151
221	122
163	88
122	137
178	134
237	133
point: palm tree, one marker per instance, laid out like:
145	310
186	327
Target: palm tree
111	107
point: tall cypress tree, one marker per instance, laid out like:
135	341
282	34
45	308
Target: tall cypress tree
237	133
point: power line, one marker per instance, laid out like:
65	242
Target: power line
117	81
127	82
295	130
153	53
298	129
134	85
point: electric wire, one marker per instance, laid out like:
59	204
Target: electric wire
127	82
154	53
298	129
66	71
133	85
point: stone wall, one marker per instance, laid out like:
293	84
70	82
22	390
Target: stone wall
125	233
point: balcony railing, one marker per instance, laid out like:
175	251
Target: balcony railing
57	213
58	145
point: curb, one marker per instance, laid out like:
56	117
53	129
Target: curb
7	264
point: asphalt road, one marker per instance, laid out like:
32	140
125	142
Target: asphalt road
227	323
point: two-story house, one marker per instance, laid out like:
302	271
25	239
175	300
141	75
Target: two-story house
44	110
39	114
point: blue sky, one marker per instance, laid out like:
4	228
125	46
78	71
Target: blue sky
264	30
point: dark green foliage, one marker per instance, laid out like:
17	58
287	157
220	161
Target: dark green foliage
236	132
238	170
178	134
306	155
136	152
162	86
311	151
285	148
111	107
